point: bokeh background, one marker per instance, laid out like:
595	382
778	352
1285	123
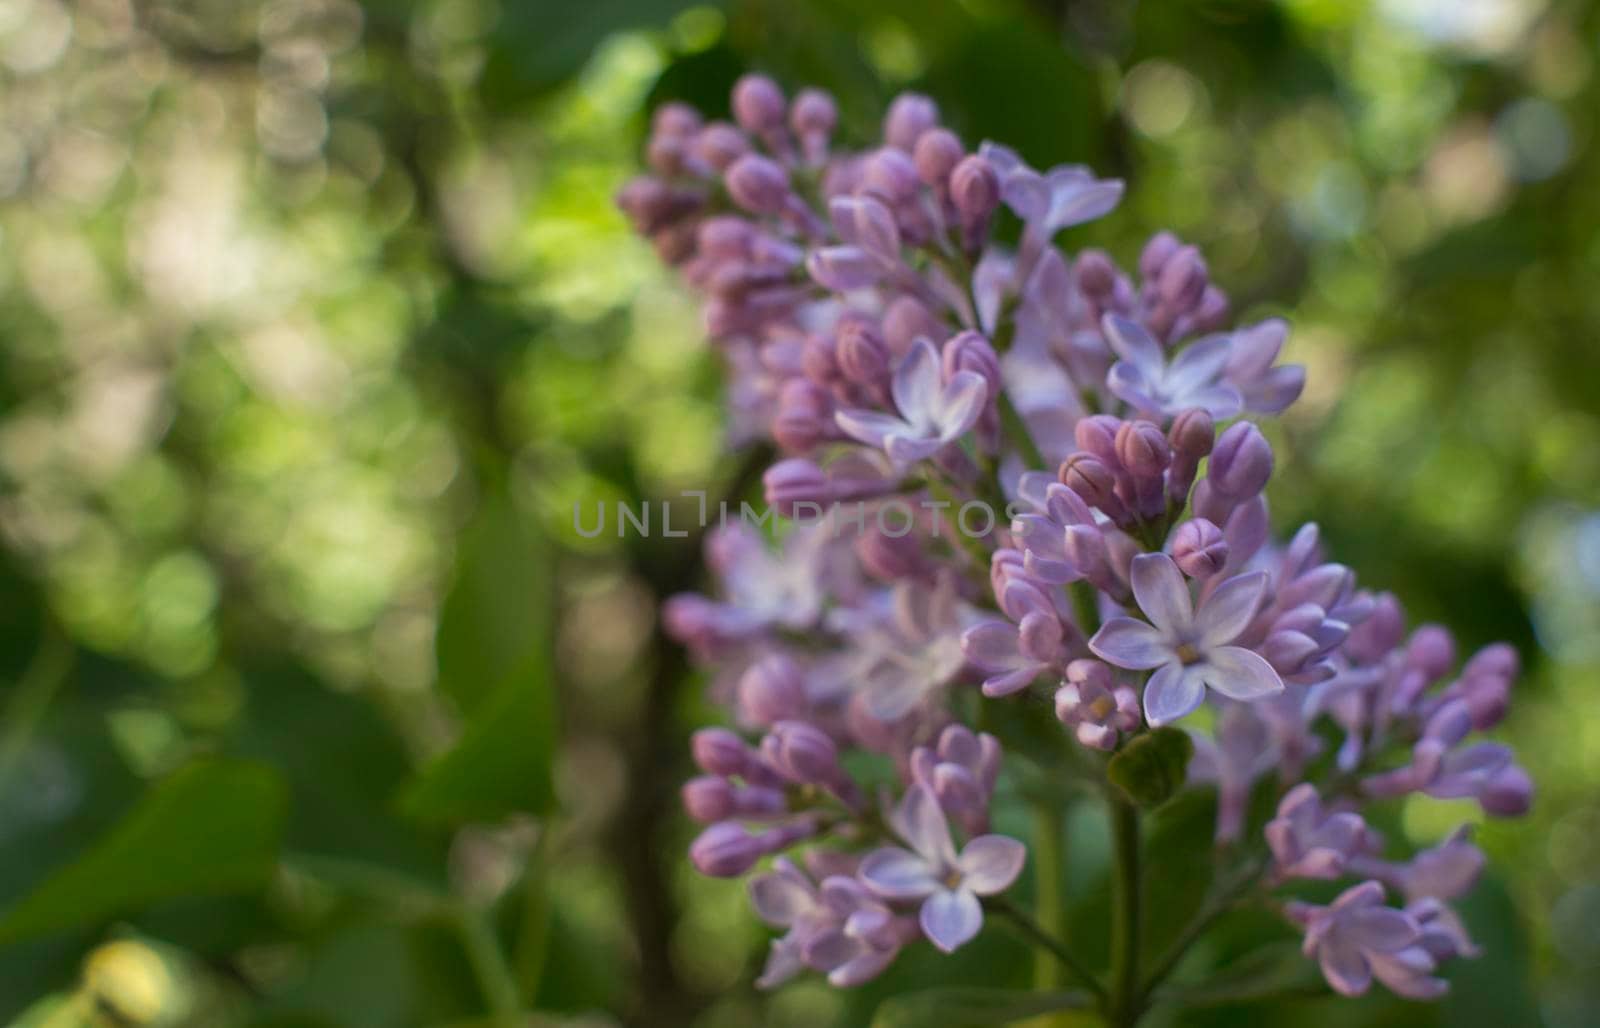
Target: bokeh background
316	319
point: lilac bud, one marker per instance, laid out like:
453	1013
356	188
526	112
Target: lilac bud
719	145
1381	632
909	116
1508	794
975	189
890	558
758	184
726	850
674	120
905	321
1183	279
803	416
970	351
1240	464
725	237
1192	433
820	360
1096	275
803	753
1086	475
1156	253
890	174
1212	313
796	480
1199	548
936	154
812	119
862	353
708	798
1142	448
1431	651
758	104
718	751
772	690
1097	435
647	202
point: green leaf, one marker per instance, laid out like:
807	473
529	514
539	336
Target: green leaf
1151	769
500	765
1277	970
211	828
973	1007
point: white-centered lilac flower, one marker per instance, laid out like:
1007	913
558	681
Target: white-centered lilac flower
933	414
1145	380
948	883
1188	649
1358	938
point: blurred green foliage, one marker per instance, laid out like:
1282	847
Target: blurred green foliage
317	320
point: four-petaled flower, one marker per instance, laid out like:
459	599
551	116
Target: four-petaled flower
948	883
1358	938
1187	648
1144	379
932	414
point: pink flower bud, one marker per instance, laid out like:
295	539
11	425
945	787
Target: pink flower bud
718	751
1199	548
796	480
1096	275
803	416
862	353
891	175
772	690
812	119
970	351
1156	253
708	798
803	753
905	321
719	145
1142	449
1192	433
1508	794
909	116
758	104
758	184
1097	434
1086	475
1183	279
675	120
936	154
975	192
726	850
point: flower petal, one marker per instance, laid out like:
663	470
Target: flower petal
898	874
1228	610
870	426
1132	644
1133	344
783	962
991	863
950	918
1381	929
1345	968
1163	593
1174	691
781	895
1198	365
922	824
916	384
992	646
960	404
1239	674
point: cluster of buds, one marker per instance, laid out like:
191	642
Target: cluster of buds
878	331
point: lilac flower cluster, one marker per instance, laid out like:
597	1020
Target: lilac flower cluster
878	333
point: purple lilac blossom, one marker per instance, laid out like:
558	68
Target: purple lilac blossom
876	329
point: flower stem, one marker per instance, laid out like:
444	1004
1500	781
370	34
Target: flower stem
1126	1000
1220	902
1039	937
1016	430
1050	908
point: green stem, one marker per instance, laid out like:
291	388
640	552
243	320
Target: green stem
1220	902
1035	934
1016	430
533	935
1125	924
489	966
1049	905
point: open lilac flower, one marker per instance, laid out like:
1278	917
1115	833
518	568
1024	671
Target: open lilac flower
1309	841
1358	938
863	938
785	898
947	883
1187	648
932	415
1143	379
